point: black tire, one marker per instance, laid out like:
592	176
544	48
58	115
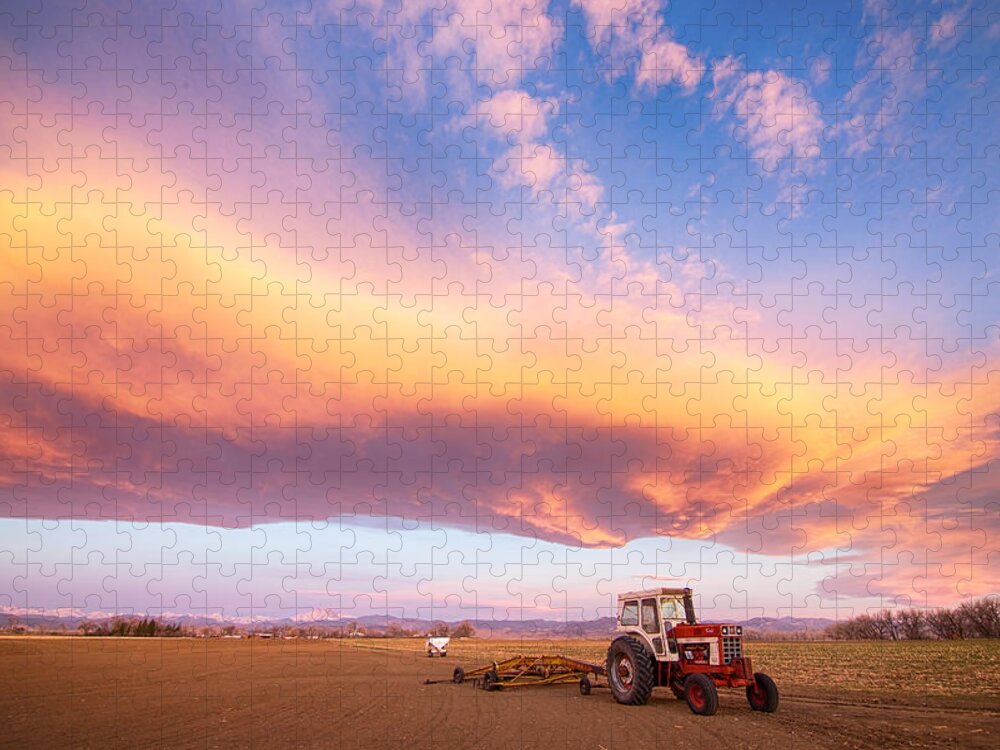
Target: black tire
429	654
585	686
458	676
701	696
490	680
630	671
763	694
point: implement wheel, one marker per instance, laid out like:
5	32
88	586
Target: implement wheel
701	695
458	676
490	680
585	686
630	671
763	694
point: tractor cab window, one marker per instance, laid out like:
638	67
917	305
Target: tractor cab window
630	614
650	623
672	609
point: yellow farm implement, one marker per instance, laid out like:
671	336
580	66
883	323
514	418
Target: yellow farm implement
531	671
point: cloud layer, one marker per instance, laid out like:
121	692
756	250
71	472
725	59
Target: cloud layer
234	296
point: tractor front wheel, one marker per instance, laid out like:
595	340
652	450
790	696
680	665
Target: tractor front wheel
630	671
763	694
701	695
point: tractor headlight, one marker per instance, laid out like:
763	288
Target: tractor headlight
725	630
739	630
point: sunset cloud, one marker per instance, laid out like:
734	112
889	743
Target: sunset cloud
168	391
453	277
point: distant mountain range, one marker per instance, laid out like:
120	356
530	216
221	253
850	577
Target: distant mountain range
382	624
786	624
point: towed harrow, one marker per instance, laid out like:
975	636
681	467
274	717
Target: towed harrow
531	671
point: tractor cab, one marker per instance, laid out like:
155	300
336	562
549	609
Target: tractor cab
663	644
677	607
654	615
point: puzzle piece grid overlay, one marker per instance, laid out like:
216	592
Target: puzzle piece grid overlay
491	310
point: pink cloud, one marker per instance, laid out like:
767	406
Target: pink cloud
633	36
665	62
778	119
944	31
500	39
517	116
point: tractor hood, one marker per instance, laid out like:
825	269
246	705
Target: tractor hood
707	630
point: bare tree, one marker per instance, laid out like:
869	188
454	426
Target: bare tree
884	623
945	624
981	617
866	628
463	630
911	624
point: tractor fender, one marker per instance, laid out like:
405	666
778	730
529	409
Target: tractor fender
637	640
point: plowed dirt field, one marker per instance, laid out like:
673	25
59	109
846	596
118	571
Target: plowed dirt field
103	692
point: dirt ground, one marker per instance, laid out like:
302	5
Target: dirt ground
76	692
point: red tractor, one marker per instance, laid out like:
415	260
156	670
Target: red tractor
663	645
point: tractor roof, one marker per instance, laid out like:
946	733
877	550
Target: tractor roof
654	592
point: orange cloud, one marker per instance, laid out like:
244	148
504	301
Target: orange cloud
162	359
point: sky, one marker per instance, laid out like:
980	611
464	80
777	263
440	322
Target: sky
469	309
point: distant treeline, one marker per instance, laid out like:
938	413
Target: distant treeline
121	627
979	618
768	635
150	627
463	629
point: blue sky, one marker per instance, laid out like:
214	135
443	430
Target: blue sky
476	310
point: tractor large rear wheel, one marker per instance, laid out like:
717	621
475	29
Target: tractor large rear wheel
630	671
701	694
763	694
